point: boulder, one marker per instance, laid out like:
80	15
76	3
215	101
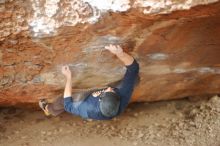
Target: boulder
176	44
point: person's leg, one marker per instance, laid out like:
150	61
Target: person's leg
55	108
43	105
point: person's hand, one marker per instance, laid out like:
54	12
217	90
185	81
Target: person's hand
66	71
115	49
96	94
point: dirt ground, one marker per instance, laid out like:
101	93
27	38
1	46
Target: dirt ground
184	122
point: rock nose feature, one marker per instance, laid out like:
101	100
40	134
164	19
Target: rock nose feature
177	45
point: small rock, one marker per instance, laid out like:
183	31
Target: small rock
120	136
8	137
156	124
202	107
179	114
135	143
193	113
140	135
158	134
24	137
89	120
43	132
136	114
43	140
173	120
25	144
112	128
141	113
49	133
192	123
181	124
215	100
209	129
198	125
60	129
133	130
166	119
115	119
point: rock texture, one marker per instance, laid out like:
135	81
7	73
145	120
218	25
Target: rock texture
178	52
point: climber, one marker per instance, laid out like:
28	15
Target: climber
99	104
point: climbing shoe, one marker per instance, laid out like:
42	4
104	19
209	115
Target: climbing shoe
43	103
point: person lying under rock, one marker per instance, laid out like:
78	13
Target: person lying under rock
99	104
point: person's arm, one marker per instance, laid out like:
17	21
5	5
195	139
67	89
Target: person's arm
68	87
123	56
128	82
68	106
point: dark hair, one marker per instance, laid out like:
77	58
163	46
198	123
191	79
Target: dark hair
109	104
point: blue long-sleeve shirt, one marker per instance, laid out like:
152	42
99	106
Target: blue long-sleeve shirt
89	108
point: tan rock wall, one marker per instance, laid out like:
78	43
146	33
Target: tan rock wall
178	53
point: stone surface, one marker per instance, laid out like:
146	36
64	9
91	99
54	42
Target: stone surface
178	52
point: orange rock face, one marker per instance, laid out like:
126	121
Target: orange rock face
178	55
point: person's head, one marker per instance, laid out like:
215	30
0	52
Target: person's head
109	102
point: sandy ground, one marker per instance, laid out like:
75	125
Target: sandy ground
169	123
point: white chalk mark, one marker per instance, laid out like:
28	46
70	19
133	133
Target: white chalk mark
206	70
99	43
158	56
179	70
166	69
